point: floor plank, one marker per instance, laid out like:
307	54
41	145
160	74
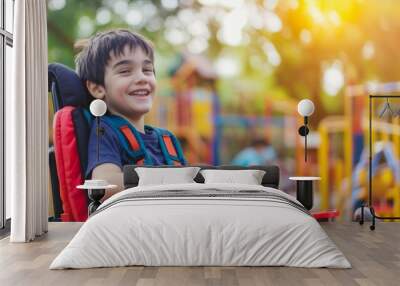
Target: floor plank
374	255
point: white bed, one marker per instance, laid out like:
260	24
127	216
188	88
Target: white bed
249	225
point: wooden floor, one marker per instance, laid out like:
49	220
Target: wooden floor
374	255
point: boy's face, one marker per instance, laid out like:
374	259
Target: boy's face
129	83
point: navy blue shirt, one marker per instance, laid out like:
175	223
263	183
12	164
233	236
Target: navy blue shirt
111	150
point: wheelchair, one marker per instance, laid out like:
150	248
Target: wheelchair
68	154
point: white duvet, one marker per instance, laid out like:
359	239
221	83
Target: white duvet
183	231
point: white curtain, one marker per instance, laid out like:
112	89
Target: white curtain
26	123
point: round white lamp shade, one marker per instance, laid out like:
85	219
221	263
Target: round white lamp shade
305	107
98	107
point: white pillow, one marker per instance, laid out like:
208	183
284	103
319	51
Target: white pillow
163	176
248	177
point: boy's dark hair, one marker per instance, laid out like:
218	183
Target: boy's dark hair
95	52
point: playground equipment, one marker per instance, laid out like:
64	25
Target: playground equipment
192	111
277	124
354	127
328	127
386	180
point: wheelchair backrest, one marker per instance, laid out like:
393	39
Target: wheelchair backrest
71	129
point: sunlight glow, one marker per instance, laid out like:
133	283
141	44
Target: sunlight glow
305	36
333	78
326	13
227	67
175	36
169	4
232	26
334	18
197	28
148	9
272	22
232	4
86	26
293	4
208	2
368	50
186	16
103	16
120	7
316	15
56	4
134	17
256	20
197	45
270	4
272	54
154	25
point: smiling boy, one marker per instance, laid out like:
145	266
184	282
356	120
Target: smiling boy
118	67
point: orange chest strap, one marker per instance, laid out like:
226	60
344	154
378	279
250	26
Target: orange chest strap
171	148
130	137
132	141
134	144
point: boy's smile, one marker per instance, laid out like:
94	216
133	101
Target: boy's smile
129	83
140	92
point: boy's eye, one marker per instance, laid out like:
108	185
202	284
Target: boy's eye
148	70
124	71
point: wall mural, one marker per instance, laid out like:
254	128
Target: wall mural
218	83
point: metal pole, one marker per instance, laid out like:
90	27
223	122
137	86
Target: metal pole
305	144
370	153
97	136
305	137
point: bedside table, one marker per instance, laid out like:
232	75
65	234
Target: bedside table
96	190
304	190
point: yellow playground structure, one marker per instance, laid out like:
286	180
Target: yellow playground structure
343	154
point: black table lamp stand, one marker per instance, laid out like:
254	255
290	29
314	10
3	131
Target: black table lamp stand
303	131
